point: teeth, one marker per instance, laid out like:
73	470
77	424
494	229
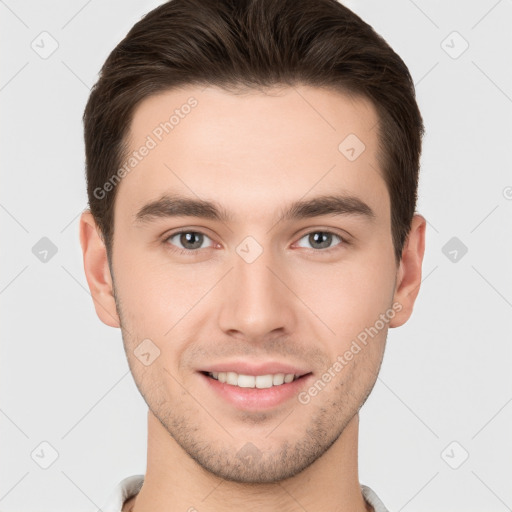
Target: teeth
278	379
251	381
288	377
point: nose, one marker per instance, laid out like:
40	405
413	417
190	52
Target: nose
257	299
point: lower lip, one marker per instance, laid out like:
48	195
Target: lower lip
256	398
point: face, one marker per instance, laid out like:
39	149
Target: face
271	255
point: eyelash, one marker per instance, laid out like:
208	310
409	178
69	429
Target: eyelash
194	252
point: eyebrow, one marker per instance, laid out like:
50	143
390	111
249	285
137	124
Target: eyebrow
181	206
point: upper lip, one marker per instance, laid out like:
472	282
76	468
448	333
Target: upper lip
252	368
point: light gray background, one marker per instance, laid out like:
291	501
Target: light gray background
445	386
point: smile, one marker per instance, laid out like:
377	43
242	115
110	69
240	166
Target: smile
253	381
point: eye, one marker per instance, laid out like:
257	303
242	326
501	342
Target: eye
320	240
189	240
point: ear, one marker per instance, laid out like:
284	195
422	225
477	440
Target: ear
409	271
97	270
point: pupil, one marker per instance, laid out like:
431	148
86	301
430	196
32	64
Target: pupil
187	240
320	238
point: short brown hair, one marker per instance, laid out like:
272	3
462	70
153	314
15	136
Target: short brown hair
254	43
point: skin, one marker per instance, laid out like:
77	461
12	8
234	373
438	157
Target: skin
252	153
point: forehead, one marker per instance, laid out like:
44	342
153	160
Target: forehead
254	149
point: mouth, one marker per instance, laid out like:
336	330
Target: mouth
255	385
266	381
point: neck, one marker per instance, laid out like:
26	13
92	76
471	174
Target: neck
175	482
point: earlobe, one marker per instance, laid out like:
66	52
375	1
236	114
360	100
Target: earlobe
409	272
97	271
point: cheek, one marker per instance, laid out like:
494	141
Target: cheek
148	283
348	296
156	294
144	299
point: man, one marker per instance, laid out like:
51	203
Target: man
252	171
